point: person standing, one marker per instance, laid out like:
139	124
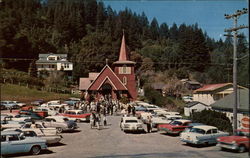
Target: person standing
133	110
129	109
149	126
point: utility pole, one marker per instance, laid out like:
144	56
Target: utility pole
235	28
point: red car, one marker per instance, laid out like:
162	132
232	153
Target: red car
175	126
239	142
78	115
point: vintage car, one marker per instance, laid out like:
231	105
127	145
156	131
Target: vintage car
37	132
202	134
77	115
156	120
131	124
37	102
240	142
31	114
41	126
175	126
9	105
50	111
13	142
11	124
61	123
20	104
16	117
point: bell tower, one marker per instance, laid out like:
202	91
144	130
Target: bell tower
125	70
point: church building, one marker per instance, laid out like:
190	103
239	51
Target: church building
117	82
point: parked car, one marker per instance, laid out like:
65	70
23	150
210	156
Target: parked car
33	115
16	117
156	120
72	101
131	124
20	104
41	126
50	111
13	142
187	99
54	104
37	132
11	124
202	135
77	115
240	142
175	126
61	123
9	105
38	102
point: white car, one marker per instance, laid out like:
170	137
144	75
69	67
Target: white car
51	111
159	120
202	134
19	103
15	117
37	132
131	124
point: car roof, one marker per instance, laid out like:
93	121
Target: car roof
130	118
75	110
205	127
12	132
183	120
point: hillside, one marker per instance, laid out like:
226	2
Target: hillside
24	94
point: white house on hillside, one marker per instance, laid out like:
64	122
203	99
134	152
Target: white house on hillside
54	62
210	93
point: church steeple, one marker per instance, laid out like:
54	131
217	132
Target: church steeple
123	51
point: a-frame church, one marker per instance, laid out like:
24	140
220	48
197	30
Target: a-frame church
116	83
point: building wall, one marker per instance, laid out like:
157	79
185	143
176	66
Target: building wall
211	97
131	81
195	108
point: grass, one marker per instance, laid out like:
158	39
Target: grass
27	95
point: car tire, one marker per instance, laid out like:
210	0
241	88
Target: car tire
59	130
241	149
35	150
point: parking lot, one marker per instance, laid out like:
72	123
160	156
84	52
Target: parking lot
110	141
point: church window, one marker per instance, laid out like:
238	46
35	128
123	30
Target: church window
124	80
124	70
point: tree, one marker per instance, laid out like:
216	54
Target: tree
154	29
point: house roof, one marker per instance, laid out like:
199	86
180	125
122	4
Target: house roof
93	75
84	83
46	55
191	104
107	76
227	103
212	87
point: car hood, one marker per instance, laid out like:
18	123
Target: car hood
230	139
35	139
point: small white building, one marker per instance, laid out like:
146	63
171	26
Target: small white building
54	62
210	93
194	107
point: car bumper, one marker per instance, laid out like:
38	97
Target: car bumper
228	146
170	131
133	129
190	141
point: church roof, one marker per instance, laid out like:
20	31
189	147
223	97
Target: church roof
107	76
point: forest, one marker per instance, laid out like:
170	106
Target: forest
89	32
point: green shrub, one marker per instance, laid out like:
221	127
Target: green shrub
213	118
155	97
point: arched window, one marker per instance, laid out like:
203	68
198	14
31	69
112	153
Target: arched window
124	80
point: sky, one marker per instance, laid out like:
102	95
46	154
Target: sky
209	14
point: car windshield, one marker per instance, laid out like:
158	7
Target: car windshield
65	119
131	121
197	130
176	123
240	133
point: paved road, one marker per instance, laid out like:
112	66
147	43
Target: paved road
112	142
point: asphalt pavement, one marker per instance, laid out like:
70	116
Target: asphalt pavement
111	142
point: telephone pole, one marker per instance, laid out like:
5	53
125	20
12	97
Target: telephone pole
235	28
